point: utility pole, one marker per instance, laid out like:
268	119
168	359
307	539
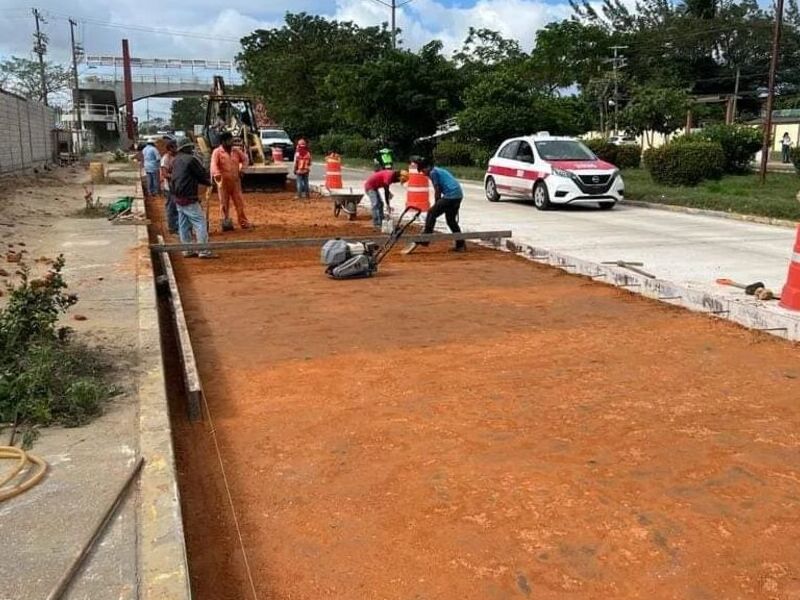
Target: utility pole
76	94
130	127
617	63
735	95
394	28
773	68
40	48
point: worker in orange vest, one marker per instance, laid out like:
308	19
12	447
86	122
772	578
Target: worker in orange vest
302	168
227	167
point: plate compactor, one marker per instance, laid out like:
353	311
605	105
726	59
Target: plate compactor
356	260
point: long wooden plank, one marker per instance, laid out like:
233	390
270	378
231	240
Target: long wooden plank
191	376
289	242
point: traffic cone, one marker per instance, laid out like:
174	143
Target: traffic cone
790	297
418	191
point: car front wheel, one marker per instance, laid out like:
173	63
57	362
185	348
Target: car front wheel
491	190
541	197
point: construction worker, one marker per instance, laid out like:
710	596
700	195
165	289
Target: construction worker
227	167
166	175
383	159
447	194
152	167
381	180
187	174
302	168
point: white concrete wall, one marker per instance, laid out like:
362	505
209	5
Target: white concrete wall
25	133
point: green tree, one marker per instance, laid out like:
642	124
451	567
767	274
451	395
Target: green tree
288	67
397	97
502	105
658	109
188	112
22	76
567	53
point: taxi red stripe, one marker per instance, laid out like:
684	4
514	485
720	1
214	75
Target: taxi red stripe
530	175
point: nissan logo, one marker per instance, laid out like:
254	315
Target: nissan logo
595	179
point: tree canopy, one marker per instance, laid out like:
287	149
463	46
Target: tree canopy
22	76
320	76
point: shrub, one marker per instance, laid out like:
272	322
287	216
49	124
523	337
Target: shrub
331	142
352	145
739	144
685	162
45	377
796	158
449	153
480	155
627	156
601	148
356	146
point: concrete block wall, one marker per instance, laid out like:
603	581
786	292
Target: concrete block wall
26	138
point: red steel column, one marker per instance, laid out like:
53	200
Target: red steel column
126	69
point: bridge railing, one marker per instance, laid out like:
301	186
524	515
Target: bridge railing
150	79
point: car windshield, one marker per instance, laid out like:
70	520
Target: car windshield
564	150
275	133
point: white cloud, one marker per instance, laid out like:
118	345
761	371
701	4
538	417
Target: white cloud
421	21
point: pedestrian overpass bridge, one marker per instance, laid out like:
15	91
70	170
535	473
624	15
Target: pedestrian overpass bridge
148	86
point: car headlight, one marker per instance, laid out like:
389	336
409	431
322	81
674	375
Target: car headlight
562	173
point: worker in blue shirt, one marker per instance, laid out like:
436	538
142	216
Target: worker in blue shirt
152	168
447	194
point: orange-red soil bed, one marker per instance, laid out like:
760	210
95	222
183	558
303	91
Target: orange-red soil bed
477	427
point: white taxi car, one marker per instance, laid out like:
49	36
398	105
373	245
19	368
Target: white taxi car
551	170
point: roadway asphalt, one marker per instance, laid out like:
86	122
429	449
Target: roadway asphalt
686	249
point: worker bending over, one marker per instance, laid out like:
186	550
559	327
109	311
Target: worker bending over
381	180
187	175
227	167
447	194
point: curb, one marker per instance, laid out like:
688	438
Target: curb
688	210
162	564
751	316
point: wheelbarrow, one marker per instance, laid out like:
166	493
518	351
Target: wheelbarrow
346	200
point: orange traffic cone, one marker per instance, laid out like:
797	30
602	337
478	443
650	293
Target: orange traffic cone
790	297
418	192
333	171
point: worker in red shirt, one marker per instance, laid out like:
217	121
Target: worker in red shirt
381	180
227	166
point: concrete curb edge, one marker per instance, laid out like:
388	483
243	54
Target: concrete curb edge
163	570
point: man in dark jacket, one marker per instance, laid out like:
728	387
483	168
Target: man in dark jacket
187	175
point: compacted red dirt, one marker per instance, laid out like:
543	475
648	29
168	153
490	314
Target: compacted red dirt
478	427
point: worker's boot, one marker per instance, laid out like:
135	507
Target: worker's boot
226	224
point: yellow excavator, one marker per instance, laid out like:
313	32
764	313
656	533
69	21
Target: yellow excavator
235	113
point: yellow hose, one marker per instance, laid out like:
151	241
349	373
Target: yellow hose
37	470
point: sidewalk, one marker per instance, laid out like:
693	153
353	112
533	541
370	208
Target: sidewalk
44	528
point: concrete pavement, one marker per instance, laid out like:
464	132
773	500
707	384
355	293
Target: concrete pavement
688	250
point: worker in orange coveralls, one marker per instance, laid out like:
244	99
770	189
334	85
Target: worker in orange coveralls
227	164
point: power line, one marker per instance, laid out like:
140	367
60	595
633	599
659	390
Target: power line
155	30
